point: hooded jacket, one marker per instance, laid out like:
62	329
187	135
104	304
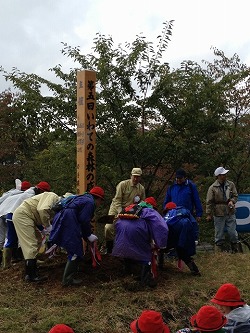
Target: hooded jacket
238	320
73	223
134	236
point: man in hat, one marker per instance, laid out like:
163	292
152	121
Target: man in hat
237	312
220	207
127	192
139	226
183	192
149	321
71	225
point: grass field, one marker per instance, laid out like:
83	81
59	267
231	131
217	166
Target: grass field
103	304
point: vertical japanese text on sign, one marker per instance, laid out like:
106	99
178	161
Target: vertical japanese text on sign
86	134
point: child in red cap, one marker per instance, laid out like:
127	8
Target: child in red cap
207	319
229	301
149	322
182	235
61	328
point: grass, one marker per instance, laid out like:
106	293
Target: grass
102	304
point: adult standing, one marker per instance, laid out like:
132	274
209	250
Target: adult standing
128	191
183	192
72	225
30	219
220	206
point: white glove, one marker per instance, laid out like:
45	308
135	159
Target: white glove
43	232
48	229
92	238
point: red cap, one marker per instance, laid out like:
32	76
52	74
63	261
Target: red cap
25	185
151	201
170	205
43	186
149	322
97	192
228	295
61	328
208	319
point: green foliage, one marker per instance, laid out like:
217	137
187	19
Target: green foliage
147	116
57	166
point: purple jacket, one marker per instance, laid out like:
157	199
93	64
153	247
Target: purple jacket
133	237
73	223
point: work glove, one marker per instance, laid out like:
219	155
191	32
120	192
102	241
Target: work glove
43	232
92	238
48	229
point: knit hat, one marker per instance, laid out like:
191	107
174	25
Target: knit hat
220	171
43	186
97	192
151	201
149	322
136	172
61	328
170	205
228	295
208	319
180	173
25	185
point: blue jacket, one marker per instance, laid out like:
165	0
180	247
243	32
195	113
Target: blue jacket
73	223
182	228
185	195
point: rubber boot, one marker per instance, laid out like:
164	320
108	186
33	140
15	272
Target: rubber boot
7	255
109	246
1	257
147	278
70	270
127	267
193	268
220	247
236	247
161	260
17	254
31	274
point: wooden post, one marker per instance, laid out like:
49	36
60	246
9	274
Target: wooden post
86	134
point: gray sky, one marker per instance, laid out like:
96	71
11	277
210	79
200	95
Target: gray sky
31	31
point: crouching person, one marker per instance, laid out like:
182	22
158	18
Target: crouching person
71	225
137	228
183	230
30	219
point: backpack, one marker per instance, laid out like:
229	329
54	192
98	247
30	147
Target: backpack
59	205
131	212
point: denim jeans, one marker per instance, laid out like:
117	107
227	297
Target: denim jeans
225	223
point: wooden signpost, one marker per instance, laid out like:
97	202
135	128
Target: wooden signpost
86	134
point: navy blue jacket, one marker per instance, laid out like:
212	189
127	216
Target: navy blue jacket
73	223
185	195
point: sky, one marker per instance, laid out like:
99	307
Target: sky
32	31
